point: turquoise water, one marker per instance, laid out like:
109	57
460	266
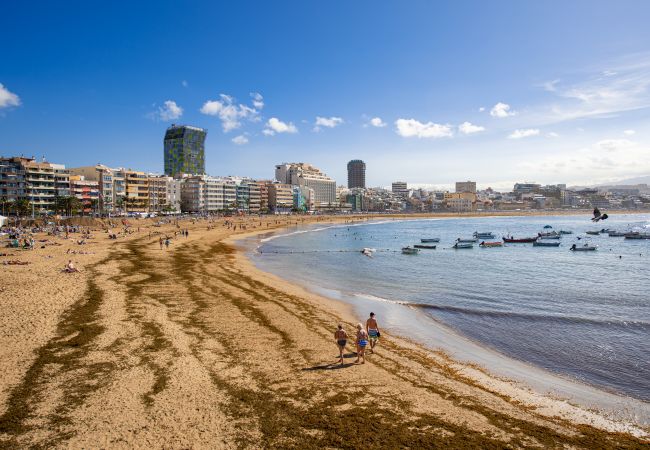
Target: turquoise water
585	315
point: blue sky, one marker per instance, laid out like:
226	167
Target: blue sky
426	92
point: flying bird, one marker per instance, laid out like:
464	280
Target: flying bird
598	216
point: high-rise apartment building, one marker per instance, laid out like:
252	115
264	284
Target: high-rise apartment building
280	197
303	174
38	182
400	188
356	174
184	150
204	194
466	186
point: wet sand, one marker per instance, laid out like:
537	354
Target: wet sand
194	347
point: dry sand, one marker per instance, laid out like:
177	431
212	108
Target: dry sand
193	347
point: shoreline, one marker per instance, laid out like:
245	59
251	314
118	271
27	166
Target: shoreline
467	352
192	346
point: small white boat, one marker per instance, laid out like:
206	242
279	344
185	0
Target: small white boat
546	243
410	250
583	248
484	235
368	251
463	245
467	241
550	237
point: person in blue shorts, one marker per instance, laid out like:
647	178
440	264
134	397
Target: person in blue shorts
373	331
341	340
362	343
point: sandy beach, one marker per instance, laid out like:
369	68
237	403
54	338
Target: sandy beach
193	347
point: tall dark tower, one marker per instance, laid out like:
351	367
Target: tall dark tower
356	174
184	150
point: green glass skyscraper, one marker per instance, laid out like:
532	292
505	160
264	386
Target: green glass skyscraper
184	150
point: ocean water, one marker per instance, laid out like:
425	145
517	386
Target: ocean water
584	315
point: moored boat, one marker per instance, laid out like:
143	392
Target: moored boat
410	250
466	241
549	234
547	243
425	240
566	232
583	248
593	233
613	233
463	245
550	237
512	240
637	235
484	235
491	244
430	247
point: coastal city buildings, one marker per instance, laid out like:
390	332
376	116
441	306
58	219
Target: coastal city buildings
356	174
39	186
400	188
184	150
466	186
307	175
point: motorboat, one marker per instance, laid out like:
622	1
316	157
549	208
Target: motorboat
512	240
549	234
410	250
484	235
467	241
637	235
583	248
426	240
546	227
368	251
613	233
549	237
593	233
566	232
491	244
430	247
546	243
463	245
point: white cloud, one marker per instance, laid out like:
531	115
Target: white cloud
629	132
240	140
258	100
170	111
481	109
414	128
614	145
523	133
550	85
275	125
501	110
469	128
328	122
184	83
552	134
377	122
8	98
231	114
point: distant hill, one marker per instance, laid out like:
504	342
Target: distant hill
636	180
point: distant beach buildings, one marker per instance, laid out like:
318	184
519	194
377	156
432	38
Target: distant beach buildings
31	186
356	174
184	150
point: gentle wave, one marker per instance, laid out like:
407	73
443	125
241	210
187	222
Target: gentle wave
313	230
642	325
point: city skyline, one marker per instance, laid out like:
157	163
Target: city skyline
551	93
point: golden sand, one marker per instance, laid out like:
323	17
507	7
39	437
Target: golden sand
192	347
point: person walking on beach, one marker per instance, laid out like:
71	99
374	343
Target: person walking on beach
161	242
362	342
167	242
341	340
373	331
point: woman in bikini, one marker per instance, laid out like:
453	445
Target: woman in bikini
341	339
362	342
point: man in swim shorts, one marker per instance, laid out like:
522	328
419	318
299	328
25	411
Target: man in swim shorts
373	331
341	340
